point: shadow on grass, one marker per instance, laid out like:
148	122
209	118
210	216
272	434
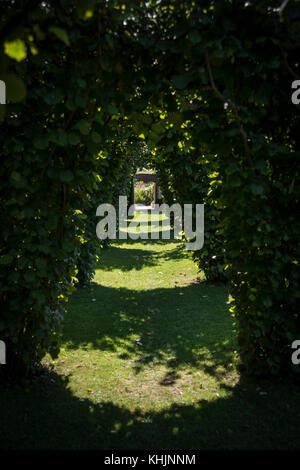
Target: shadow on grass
48	416
118	257
189	326
176	326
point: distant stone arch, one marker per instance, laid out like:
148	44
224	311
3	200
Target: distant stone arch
150	178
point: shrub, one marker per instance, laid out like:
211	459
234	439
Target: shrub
144	193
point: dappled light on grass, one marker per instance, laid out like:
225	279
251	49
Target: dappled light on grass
184	320
148	351
146	332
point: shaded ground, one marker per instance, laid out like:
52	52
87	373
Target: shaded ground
50	416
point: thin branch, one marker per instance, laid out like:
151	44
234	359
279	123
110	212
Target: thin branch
282	6
69	119
233	107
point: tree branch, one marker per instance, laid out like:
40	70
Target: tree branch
282	6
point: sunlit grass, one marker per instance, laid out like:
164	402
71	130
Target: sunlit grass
147	330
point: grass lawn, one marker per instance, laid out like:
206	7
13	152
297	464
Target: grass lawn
148	361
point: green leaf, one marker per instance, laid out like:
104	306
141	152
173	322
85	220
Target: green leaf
66	176
99	118
73	138
14	276
28	212
15	175
80	101
40	142
18	180
51	223
29	276
60	34
257	189
96	138
84	126
53	97
62	137
6	259
85	9
267	302
195	36
82	83
157	128
274	64
44	249
111	109
41	264
180	81
15	49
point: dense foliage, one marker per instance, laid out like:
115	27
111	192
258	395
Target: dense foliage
116	167
207	86
192	178
53	168
235	63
